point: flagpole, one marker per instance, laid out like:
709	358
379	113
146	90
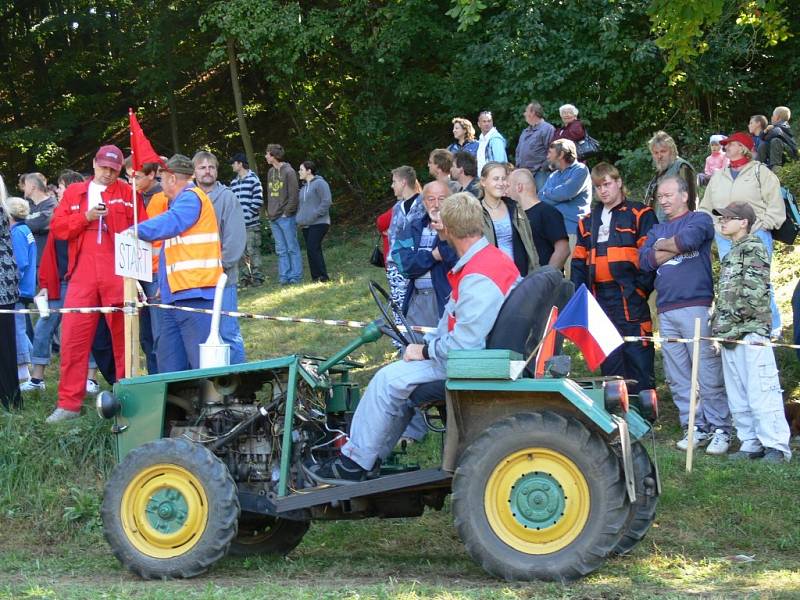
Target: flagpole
130	292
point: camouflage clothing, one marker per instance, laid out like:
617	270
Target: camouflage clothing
742	304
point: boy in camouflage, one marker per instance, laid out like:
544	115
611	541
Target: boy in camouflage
742	313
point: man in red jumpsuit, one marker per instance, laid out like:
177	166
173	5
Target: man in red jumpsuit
88	216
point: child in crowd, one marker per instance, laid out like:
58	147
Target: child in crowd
25	256
741	313
716	161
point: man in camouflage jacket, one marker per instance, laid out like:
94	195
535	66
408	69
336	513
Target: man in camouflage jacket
742	313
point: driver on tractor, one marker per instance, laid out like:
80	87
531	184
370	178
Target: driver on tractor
481	280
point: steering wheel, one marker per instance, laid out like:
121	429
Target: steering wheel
390	311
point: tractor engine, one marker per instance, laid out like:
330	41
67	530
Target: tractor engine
243	424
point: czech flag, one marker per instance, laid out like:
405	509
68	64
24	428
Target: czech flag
585	323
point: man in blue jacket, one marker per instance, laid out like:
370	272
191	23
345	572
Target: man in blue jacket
568	188
679	251
424	259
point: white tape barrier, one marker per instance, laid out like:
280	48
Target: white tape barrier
352	324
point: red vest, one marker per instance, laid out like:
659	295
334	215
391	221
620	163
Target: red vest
490	262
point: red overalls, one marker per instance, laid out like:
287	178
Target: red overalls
92	281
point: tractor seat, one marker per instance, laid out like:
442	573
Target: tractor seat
519	326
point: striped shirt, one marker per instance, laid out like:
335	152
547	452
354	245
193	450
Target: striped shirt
251	197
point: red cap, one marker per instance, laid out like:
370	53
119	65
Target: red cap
109	156
745	139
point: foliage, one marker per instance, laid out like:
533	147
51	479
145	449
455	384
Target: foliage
789	175
361	87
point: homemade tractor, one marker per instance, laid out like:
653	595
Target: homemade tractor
549	475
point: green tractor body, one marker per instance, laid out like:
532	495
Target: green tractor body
549	475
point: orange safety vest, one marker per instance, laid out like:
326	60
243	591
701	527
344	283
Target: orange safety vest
193	258
158	204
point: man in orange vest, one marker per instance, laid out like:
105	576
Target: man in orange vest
190	264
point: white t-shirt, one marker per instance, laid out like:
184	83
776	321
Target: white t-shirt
95	189
605	226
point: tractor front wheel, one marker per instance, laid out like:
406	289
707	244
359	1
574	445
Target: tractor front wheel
539	496
170	509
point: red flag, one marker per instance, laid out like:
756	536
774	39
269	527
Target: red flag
141	149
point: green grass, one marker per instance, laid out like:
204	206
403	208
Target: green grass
51	543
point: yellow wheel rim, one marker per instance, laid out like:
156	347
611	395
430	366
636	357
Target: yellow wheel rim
537	501
164	511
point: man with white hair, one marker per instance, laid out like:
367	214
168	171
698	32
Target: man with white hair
491	144
533	142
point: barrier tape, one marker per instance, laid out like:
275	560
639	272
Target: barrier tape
356	324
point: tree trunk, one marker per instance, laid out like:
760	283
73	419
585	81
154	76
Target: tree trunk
237	99
173	121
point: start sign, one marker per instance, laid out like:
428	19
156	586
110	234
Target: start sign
133	258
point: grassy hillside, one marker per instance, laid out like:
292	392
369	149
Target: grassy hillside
51	479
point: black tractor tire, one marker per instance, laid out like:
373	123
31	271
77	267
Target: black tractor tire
170	510
521	523
643	511
262	534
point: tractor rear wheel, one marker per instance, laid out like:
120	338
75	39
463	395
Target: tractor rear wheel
261	534
643	511
539	496
170	509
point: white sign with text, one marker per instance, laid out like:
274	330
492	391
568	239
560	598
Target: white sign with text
133	258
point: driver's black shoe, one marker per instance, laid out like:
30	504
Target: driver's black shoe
340	470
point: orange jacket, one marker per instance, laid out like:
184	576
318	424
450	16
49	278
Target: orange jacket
158	204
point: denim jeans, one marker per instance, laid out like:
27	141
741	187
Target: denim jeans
290	263
180	335
229	326
148	325
724	246
24	345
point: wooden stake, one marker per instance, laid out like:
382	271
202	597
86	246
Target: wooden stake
131	329
693	394
130	296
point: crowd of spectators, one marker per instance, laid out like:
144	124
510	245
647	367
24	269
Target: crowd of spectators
638	258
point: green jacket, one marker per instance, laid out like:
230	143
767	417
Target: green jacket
742	304
525	256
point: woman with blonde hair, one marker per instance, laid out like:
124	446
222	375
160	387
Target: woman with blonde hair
505	224
464	134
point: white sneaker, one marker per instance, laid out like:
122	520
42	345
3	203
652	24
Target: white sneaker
701	438
92	387
720	441
29	386
61	414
